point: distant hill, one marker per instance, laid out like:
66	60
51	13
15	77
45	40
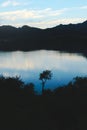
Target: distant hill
71	37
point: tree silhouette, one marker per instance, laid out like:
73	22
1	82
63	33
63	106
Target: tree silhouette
44	76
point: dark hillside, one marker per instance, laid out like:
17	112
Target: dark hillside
72	37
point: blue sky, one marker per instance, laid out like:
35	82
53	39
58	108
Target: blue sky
42	13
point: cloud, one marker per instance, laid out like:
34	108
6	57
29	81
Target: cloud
42	18
9	3
54	22
78	8
67	21
30	14
20	15
49	23
83	7
50	12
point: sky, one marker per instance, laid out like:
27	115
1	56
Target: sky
42	13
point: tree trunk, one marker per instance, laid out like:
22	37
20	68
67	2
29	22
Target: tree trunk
43	84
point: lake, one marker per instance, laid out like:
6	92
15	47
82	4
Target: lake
28	65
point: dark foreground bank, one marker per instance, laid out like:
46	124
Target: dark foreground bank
65	108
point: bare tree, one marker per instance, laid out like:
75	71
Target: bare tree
44	76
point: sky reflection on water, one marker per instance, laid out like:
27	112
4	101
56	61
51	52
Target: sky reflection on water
28	65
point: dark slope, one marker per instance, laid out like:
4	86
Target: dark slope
17	38
72	37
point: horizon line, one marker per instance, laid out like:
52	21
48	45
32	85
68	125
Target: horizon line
10	25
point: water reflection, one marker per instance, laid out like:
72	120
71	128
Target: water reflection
28	65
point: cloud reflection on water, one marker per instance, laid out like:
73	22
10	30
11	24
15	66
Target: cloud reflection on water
41	60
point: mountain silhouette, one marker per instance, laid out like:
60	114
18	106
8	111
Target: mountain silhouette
71	37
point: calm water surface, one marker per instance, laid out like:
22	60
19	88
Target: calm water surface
29	65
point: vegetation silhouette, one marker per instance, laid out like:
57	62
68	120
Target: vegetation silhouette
64	108
44	76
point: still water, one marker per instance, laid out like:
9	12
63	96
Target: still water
28	65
